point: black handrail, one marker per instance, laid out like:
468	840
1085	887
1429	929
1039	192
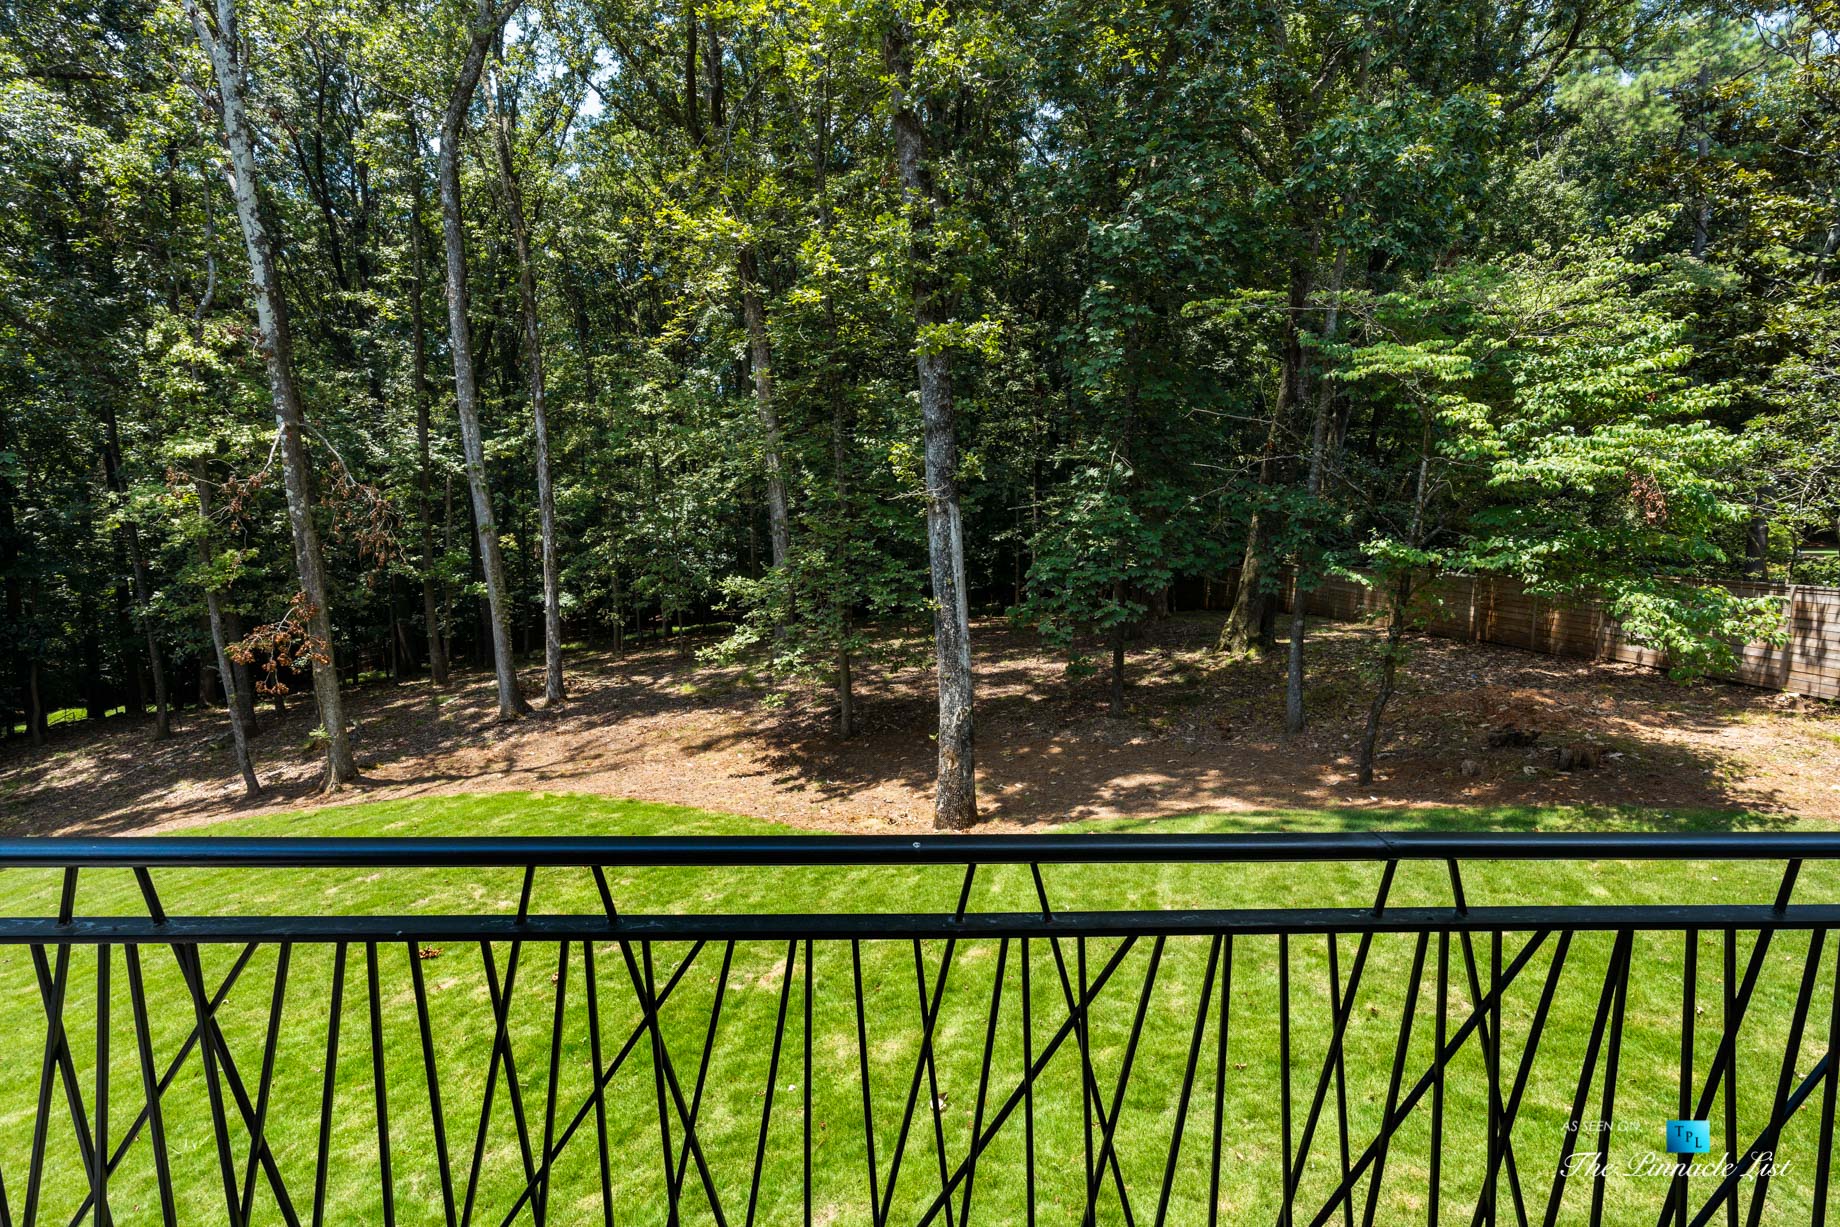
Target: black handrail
814	850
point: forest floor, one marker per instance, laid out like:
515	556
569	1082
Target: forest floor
1202	734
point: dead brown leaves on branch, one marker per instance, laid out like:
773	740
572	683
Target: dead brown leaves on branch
282	644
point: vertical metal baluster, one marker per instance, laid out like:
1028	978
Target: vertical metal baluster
1824	1152
437	1117
150	1090
1079	1008
1786	1078
1341	1084
664	1114
1586	1069
990	1049
1285	1215
808	991
1528	1052
862	1057
766	1110
1188	1080
773	1073
1002	1115
500	1001
1400	1051
53	989
1492	1056
1435	1183
932	1074
1086	1080
333	1018
1612	1054
1220	1080
1689	999
1724	1059
380	1090
1341	1010
1729	1043
600	1099
540	1211
929	1021
165	1081
98	1168
1489	1038
702	1070
188	963
602	1077
271	1043
1109	1141
651	1002
1028	1082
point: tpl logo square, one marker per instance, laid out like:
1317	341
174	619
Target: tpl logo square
1689	1137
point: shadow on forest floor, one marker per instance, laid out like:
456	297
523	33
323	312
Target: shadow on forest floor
1202	733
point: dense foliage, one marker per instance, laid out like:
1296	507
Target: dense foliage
819	321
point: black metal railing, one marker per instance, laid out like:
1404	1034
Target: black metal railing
1289	1028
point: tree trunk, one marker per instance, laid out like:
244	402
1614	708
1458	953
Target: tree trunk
38	725
1307	554
225	49
487	22
143	587
245	680
1396	616
955	799
1248	622
760	358
533	345
236	701
1757	546
1117	697
1389	671
1702	148
418	322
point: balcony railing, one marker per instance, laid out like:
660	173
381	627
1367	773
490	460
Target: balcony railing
1288	1028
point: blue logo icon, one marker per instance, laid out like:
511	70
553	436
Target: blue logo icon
1689	1137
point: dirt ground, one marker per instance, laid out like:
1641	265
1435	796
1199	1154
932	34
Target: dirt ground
1202	734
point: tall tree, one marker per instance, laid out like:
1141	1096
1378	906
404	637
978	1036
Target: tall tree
488	20
955	794
504	120
218	35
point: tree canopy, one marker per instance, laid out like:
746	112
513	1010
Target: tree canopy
340	337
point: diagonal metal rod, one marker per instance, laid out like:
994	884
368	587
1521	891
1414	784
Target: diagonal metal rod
1448	1047
935	1104
270	1046
1066	1029
1791	1050
929	1019
1586	1071
766	1109
1524	1071
990	1047
1188	1081
1124	1079
596	1099
151	1110
650	1002
1415	983
437	1116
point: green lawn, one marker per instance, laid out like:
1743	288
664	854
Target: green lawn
730	1116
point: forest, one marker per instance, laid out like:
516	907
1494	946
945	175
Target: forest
343	340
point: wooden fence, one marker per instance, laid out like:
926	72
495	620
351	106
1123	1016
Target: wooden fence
1486	610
